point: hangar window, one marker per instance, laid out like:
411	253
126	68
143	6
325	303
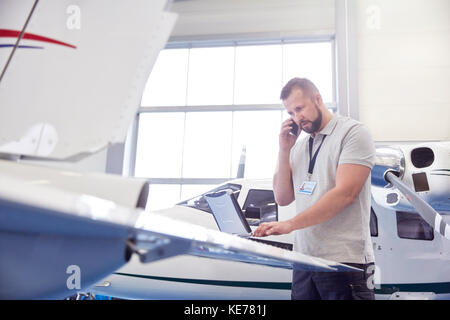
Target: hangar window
206	102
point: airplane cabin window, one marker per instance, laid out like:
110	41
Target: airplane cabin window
410	225
260	206
199	202
373	223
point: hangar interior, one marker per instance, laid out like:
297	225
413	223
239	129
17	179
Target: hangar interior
212	101
216	85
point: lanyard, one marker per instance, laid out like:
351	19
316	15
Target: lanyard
312	159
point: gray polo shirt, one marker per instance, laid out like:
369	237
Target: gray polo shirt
345	237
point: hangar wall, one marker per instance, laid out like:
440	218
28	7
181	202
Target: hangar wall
404	68
402	48
206	19
211	20
402	65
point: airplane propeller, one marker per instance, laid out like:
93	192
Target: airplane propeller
388	172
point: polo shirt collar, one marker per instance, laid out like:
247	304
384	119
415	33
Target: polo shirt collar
328	129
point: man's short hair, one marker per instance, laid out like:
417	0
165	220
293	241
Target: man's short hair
306	85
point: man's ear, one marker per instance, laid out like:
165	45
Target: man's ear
317	98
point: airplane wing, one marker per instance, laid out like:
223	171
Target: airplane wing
53	242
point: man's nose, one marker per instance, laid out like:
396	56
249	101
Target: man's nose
298	117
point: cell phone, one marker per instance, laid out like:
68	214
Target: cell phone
294	130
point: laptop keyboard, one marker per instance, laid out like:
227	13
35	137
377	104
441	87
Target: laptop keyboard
282	245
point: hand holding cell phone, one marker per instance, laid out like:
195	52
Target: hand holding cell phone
288	134
294	130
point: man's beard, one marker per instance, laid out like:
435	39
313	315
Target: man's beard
315	125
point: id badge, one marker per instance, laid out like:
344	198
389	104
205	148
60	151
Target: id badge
307	187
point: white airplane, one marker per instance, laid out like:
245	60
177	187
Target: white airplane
410	239
72	76
412	207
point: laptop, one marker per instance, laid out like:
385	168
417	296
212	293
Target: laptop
230	218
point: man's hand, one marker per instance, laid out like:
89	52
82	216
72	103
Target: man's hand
273	228
286	139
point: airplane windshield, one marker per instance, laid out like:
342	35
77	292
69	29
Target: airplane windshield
260	206
199	202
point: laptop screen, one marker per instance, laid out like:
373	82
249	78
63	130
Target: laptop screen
227	213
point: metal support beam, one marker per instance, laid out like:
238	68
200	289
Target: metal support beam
347	58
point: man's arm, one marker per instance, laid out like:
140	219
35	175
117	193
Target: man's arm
350	179
282	179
